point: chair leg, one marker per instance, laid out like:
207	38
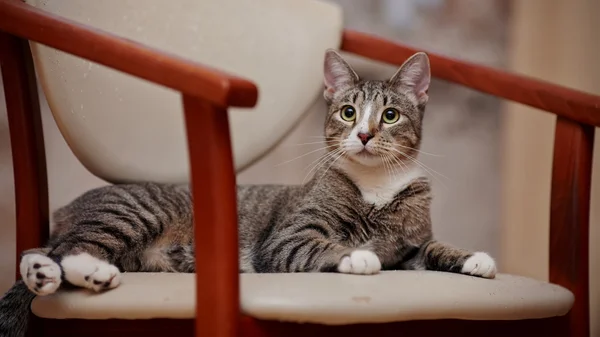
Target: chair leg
215	219
28	152
27	143
570	217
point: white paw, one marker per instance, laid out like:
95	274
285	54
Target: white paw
40	274
480	264
360	262
86	271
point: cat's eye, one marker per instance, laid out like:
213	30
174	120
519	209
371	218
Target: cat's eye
348	113
390	116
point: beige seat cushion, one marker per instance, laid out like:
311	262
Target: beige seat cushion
324	298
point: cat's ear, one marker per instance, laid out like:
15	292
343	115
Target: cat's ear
414	76
338	74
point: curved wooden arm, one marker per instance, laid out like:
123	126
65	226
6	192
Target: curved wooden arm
565	102
190	78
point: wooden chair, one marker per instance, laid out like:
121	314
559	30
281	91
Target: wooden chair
389	304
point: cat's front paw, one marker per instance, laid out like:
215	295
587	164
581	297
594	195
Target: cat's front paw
40	274
360	262
480	264
89	272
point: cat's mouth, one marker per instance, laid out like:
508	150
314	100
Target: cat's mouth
365	153
366	157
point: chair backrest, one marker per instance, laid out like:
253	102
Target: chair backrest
126	129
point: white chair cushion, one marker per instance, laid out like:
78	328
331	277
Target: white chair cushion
324	298
126	129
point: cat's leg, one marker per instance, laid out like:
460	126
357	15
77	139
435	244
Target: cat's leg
359	261
86	260
40	274
182	259
43	275
435	255
319	255
87	271
311	248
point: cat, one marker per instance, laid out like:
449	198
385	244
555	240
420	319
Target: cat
366	209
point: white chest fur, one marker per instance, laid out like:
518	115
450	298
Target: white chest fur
377	186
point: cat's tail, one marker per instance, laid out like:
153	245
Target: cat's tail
14	310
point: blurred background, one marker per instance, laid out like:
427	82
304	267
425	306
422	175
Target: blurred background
490	161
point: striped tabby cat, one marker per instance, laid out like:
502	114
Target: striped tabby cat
365	210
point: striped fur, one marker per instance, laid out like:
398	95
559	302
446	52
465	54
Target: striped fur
367	208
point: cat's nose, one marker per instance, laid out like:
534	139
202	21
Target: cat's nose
365	137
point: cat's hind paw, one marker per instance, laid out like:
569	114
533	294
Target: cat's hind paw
87	271
360	262
480	264
40	274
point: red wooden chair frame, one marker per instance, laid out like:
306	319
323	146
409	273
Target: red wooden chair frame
206	94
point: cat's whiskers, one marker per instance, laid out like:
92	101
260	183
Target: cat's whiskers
323	140
393	171
326	155
419	151
310	143
415	160
325	137
391	160
317	161
395	160
321	161
343	153
401	165
387	166
306	154
398	162
425	167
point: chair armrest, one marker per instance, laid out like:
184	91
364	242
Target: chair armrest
211	85
571	104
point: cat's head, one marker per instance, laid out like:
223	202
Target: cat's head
375	123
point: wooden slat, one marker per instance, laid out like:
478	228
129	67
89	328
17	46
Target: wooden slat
27	143
130	57
572	104
215	219
570	215
249	327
